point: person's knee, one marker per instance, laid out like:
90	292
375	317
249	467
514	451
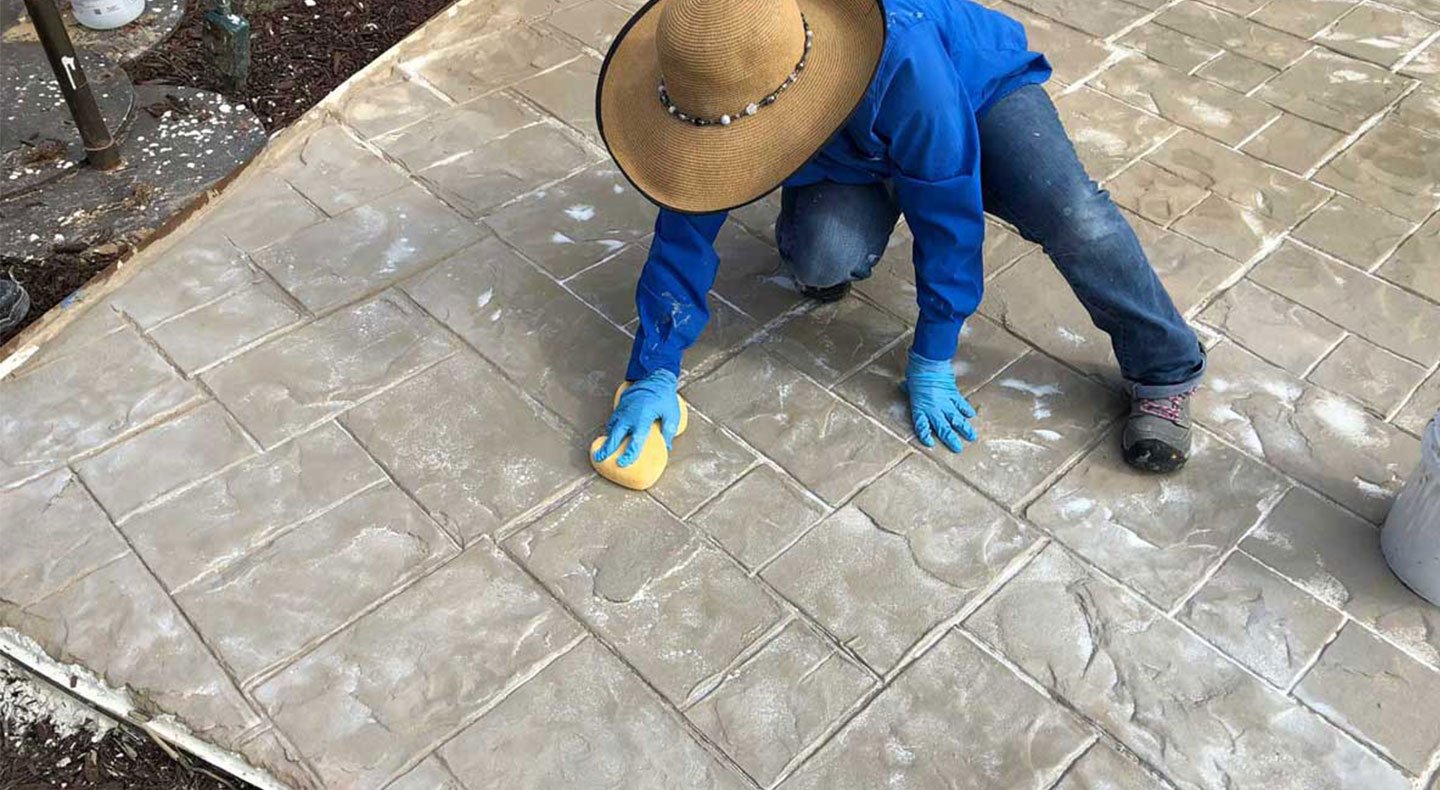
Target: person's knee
1086	217
827	259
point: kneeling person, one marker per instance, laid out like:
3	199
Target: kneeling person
927	109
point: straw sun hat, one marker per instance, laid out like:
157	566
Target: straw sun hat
707	105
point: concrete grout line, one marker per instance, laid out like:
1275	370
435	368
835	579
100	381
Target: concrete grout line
576	42
1070	760
1372	277
239	351
414	576
989	590
1195	72
795	610
279	532
1070	764
1103	735
1263	461
1430	777
1318	36
1141	21
1299	676
1433	662
291	752
389	477
707	686
1389	252
755	463
690	728
1145	603
511	685
1107	432
1409	57
1265	508
1338	725
1247	139
578	433
564	283
422	81
1118	54
539	511
1365	126
843	721
177	413
1268	247
80	575
1143	156
1345	334
220	664
1430	372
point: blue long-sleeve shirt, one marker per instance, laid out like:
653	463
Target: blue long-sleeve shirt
945	62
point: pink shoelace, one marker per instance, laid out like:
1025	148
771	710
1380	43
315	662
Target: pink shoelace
1170	408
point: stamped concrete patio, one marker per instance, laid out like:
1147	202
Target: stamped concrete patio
311	484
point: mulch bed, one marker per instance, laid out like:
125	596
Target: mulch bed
300	50
49	740
121	759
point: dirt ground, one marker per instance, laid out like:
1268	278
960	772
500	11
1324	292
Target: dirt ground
299	53
50	740
299	50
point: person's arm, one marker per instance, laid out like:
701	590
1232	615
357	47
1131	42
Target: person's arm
934	146
671	298
671	295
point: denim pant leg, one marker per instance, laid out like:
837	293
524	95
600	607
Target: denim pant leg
1032	179
831	233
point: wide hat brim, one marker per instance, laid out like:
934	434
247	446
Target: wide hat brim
702	169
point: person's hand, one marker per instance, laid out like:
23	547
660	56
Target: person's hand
936	406
647	400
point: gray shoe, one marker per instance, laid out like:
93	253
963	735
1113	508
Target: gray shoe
827	294
14	304
1157	433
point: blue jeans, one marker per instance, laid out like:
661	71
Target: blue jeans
831	233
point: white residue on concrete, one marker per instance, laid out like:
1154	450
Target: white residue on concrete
1345	420
580	212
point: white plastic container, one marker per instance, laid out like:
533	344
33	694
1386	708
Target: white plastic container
107	14
1411	538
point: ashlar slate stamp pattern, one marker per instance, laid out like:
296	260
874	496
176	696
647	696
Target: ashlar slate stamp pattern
312	480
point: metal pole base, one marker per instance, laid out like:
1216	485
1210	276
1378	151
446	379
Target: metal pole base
101	150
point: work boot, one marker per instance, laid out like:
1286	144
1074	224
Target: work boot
827	294
14	304
1157	433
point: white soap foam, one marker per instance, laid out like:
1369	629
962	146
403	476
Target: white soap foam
580	212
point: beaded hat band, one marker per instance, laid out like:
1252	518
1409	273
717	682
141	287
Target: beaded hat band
749	90
752	107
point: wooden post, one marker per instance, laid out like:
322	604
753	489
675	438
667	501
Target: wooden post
228	36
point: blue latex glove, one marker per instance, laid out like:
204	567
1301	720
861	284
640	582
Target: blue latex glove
936	406
647	400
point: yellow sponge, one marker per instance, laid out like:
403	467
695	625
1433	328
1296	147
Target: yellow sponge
646	470
653	456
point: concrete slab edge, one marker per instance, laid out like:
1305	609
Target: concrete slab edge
119	704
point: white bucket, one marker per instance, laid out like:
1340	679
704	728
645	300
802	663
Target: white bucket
1411	537
107	14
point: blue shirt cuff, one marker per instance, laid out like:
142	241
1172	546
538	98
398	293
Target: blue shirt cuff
937	339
